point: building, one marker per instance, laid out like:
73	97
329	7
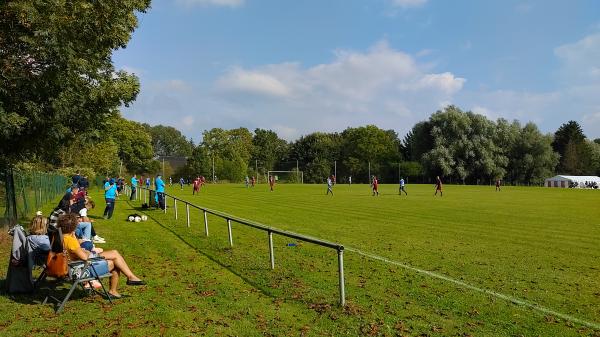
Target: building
573	181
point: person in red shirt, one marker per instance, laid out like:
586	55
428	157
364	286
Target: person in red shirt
375	186
271	182
498	183
438	186
196	186
253	180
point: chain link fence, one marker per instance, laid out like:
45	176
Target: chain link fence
24	193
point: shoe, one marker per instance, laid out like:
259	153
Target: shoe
114	297
97	239
136	283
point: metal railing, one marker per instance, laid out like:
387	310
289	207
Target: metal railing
230	218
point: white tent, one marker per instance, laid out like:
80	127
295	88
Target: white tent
566	181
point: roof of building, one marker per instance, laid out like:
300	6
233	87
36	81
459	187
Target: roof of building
576	178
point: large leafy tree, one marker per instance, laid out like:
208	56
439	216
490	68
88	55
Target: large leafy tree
531	156
268	148
317	151
569	142
168	141
57	79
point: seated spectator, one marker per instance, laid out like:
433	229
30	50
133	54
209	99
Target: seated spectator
38	238
116	263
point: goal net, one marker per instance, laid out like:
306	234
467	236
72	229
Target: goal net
290	177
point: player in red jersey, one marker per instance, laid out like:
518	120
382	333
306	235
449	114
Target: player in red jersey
375	185
438	186
271	182
196	186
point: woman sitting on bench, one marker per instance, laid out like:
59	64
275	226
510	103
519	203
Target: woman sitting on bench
116	263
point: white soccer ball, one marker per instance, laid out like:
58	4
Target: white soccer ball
131	218
138	219
144	217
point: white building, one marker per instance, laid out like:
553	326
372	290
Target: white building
566	181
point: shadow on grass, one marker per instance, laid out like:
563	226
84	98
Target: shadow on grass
263	290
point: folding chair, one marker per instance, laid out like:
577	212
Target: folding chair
79	274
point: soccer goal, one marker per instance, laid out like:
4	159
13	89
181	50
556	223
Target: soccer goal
291	177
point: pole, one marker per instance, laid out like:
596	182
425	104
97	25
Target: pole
187	211
369	172
341	272
165	202
213	170
256	169
271	254
163	171
297	171
175	207
229	230
334	170
205	224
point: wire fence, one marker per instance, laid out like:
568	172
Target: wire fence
23	193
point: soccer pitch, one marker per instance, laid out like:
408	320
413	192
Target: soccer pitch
523	261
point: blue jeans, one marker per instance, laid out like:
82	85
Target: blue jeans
84	230
110	207
133	192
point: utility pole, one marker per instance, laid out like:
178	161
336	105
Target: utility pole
213	170
256	169
369	172
121	168
334	171
163	170
297	172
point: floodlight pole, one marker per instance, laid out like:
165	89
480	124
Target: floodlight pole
256	169
334	170
369	172
297	172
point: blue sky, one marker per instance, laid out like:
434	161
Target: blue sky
302	66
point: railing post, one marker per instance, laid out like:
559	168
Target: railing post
146	196
271	254
205	224
187	211
165	202
341	271
175	207
229	230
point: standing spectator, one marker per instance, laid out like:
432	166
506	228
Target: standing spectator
160	191
110	194
134	183
147	182
375	185
76	178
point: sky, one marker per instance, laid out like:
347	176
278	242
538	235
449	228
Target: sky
297	67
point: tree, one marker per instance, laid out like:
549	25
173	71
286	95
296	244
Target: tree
569	142
317	151
168	141
268	148
134	145
531	156
56	73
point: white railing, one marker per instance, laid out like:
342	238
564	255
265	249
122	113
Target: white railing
230	218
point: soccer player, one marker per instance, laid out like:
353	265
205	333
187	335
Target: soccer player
350	181
329	186
438	186
402	187
134	183
247	181
196	186
181	182
271	182
498	183
375	185
253	181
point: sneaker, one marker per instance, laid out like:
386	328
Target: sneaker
98	239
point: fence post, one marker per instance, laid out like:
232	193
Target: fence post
205	224
165	201
341	272
271	254
175	207
187	211
229	230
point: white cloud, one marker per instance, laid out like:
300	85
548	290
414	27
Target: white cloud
223	3
252	82
408	3
581	59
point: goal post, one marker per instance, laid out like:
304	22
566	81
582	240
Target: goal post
292	177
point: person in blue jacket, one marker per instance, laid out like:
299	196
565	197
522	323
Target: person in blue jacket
159	184
134	183
110	194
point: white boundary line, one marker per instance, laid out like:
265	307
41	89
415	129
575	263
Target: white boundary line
508	298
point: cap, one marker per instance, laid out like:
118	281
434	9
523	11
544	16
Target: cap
83	212
74	186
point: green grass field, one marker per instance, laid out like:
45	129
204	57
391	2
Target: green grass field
540	246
